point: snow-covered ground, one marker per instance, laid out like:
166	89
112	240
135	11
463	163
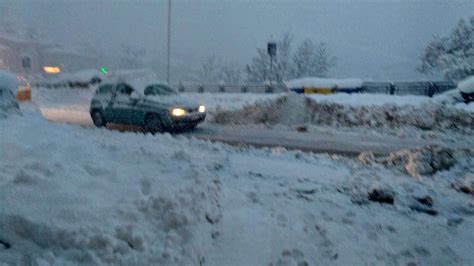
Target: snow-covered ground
72	195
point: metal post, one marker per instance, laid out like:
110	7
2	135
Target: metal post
271	69
169	43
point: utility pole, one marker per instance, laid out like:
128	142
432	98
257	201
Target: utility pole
169	44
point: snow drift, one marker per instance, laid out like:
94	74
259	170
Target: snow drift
296	109
423	161
467	85
69	198
71	195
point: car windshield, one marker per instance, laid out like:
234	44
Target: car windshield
159	90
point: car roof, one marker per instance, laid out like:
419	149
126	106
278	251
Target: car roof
8	81
138	85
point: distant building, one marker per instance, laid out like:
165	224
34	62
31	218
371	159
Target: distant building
26	56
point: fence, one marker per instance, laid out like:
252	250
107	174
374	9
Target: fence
229	87
427	88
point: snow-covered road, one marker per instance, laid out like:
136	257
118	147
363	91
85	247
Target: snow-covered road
71	106
342	143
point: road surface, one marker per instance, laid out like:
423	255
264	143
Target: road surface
342	143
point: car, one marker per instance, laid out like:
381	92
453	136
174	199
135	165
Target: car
152	105
8	85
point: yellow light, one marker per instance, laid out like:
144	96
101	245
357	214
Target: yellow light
51	69
178	112
202	108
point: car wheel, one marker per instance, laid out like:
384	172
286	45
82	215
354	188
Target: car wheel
153	124
98	119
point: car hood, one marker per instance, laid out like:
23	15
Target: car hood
173	100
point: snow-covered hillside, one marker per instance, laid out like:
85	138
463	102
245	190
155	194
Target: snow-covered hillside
72	195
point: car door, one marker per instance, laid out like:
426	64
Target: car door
122	104
105	96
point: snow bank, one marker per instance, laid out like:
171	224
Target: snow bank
426	160
467	85
215	102
296	109
371	99
72	195
323	83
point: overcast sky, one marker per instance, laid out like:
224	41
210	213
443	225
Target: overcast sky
371	39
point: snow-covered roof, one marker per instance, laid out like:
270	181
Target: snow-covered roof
8	81
323	83
467	85
141	83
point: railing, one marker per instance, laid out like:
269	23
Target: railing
229	87
426	88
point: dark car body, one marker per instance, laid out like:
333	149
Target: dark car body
122	103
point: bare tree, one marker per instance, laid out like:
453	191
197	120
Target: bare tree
259	68
312	60
213	69
231	73
453	56
209	70
132	57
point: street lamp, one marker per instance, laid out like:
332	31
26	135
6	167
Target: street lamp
169	43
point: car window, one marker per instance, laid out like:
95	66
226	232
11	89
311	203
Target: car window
124	89
154	90
105	89
150	90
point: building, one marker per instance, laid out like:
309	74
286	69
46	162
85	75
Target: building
29	57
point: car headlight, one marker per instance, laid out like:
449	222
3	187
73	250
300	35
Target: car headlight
202	108
178	112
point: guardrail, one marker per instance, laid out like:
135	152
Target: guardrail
229	87
426	88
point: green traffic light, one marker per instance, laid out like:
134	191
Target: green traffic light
103	70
